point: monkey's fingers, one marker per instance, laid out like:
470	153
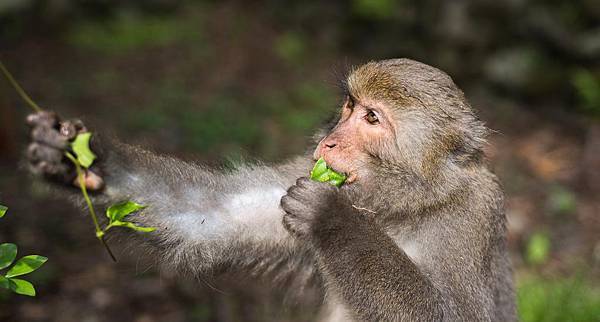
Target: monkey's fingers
44	118
294	207
287	203
49	162
37	152
296	226
50	137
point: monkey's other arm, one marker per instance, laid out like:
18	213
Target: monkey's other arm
205	219
361	264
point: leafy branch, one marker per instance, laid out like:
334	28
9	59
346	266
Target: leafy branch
82	158
88	201
25	265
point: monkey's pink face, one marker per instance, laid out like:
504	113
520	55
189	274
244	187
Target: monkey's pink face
364	131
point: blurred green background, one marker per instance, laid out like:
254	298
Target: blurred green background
220	81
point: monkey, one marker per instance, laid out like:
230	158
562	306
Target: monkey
417	232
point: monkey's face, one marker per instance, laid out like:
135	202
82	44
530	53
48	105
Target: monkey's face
364	131
401	120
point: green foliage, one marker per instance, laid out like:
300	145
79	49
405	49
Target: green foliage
3	210
314	101
131	225
20	286
376	9
587	86
266	123
129	31
291	47
159	112
8	253
117	213
81	147
523	69
557	300
538	248
225	120
562	201
322	173
25	265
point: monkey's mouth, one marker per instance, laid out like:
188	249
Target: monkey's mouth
351	176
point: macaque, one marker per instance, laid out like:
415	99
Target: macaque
417	232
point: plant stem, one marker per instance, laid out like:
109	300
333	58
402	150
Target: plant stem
112	256
18	88
81	178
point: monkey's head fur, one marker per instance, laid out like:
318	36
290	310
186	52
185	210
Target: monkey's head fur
409	126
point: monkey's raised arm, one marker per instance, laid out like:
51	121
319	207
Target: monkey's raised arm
204	218
215	215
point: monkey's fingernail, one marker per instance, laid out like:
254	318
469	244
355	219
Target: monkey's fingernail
31	119
68	129
91	180
352	177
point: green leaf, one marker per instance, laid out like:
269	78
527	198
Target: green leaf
81	147
322	173
26	265
538	248
319	169
22	287
119	211
3	210
4	282
133	226
8	253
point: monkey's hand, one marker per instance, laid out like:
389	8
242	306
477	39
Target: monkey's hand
306	204
50	139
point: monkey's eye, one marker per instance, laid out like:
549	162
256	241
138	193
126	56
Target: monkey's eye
372	118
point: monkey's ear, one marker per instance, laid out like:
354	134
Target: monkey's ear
471	143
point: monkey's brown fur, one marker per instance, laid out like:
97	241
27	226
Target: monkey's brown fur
419	236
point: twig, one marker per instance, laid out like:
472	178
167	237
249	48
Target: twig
19	89
81	178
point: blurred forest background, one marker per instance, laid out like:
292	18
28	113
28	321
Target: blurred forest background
223	80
